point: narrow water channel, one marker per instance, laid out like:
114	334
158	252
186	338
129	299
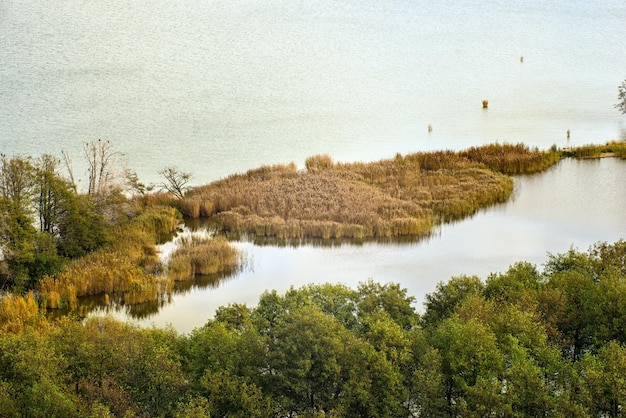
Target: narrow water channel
576	203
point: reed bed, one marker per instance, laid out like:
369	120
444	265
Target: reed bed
402	196
513	158
126	267
610	149
202	256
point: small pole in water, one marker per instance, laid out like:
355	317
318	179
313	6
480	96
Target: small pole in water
568	134
485	104
521	59
430	128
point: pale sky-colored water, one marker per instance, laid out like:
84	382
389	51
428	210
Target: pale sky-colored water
575	204
217	87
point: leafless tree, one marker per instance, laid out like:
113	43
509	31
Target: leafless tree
176	181
621	98
70	169
100	156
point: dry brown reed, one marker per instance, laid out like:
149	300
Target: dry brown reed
201	256
402	196
610	149
318	162
513	159
126	266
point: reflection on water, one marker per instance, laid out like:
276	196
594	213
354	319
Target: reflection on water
114	303
575	203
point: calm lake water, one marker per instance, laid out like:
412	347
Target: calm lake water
576	203
217	87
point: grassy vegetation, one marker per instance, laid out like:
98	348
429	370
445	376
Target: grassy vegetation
402	196
127	266
520	343
610	149
17	312
513	159
202	256
127	272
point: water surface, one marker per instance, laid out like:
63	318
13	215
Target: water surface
217	87
576	203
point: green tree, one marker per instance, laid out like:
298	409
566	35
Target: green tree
17	233
578	313
335	300
519	284
389	298
16	180
305	356
427	384
17	239
81	229
371	385
46	186
35	373
447	296
472	367
604	377
224	359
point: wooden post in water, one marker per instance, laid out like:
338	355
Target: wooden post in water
430	128
485	104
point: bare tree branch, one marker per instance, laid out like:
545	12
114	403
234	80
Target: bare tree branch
100	157
621	97
175	181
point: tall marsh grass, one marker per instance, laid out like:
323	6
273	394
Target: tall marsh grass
402	196
17	312
127	266
513	158
202	256
612	148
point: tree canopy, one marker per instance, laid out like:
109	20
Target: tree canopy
525	342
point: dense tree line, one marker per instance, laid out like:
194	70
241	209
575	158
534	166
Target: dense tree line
520	343
43	221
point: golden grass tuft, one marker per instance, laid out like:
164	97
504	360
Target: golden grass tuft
17	312
512	159
200	256
318	162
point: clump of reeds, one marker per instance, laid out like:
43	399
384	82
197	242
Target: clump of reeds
318	162
157	221
610	149
201	256
512	159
